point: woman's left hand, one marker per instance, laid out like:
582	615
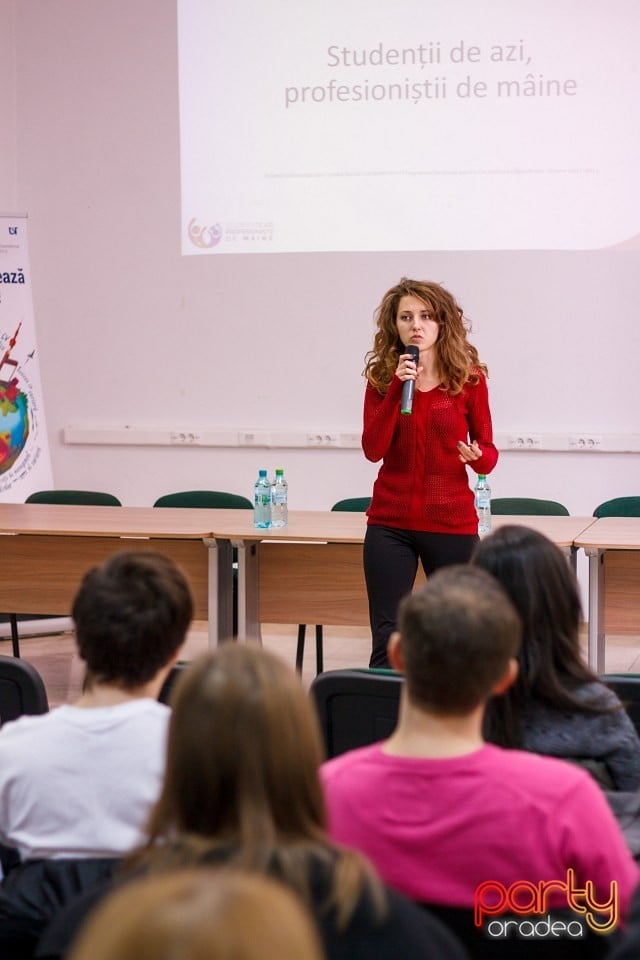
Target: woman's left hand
469	451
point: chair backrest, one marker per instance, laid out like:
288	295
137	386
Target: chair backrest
167	687
22	689
85	498
527	507
353	504
619	507
205	500
356	707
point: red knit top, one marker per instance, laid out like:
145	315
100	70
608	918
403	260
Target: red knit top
422	484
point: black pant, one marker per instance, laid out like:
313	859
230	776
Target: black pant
390	565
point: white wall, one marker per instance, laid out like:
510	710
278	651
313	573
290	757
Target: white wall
8	125
131	333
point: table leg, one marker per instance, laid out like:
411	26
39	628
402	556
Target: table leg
596	646
220	590
248	590
570	553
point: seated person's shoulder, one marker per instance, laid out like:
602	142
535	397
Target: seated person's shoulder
22	728
416	931
534	772
362	757
597	693
383	923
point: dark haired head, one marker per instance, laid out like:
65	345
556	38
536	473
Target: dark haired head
458	633
131	615
543	588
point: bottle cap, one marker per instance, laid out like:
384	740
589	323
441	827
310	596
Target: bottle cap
262	473
279	472
482	476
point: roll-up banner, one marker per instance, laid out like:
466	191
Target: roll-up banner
25	463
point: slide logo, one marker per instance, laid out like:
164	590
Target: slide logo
529	914
204	237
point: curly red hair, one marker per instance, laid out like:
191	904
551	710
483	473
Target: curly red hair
457	359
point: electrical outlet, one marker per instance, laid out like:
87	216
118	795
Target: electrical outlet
184	438
585	441
524	441
323	440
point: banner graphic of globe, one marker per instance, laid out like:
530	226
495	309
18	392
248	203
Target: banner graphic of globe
14	411
14	423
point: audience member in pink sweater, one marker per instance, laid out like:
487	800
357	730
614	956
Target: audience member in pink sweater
439	812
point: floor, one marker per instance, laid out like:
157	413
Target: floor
54	657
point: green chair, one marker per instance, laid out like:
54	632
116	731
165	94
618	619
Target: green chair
84	498
350	505
205	500
87	498
527	507
211	500
619	507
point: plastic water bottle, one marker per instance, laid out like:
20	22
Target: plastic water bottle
279	507
262	501
483	504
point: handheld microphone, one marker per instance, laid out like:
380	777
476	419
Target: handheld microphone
408	387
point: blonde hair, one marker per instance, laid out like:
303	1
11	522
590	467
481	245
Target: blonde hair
457	359
200	914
